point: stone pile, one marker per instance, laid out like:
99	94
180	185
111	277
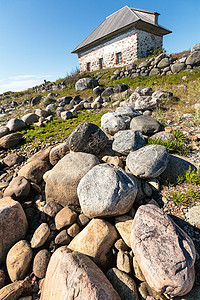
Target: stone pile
75	226
161	65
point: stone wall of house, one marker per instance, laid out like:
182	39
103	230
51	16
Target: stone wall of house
126	43
147	41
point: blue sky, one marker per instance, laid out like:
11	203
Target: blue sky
37	36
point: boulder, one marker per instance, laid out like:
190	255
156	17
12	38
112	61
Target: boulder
176	166
196	47
95	240
126	141
177	67
10	140
14	290
163	136
15	124
163	63
154	71
65	115
4	130
30	118
145	124
146	102
40	263
164	252
77	277
86	83
193	215
87	137
193	59
107	92
63	179
41	112
34	170
123	284
148	162
126	111
18	260
36	100
13	158
106	190
18	188
13	224
112	123
162	94
58	152
40	236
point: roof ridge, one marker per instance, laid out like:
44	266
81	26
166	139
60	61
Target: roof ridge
143	10
133	12
116	11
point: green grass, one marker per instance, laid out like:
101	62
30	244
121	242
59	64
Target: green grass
179	145
192	193
58	130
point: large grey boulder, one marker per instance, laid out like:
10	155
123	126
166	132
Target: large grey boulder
126	111
112	123
163	136
87	137
15	124
162	94
30	118
177	67
193	59
106	190
146	102
148	162
77	277
195	48
13	224
177	166
164	252
86	83
96	240
145	124
10	140
63	179
163	63
126	141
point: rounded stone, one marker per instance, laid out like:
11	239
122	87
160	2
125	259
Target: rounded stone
4	130
106	190
30	118
18	260
40	263
148	162
10	140
40	235
112	123
15	124
145	124
87	137
126	141
19	187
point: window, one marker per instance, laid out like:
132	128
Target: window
88	67
101	63
118	58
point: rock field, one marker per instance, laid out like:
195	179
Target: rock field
87	219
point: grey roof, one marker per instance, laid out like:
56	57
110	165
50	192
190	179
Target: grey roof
120	20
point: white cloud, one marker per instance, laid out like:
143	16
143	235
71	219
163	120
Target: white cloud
21	82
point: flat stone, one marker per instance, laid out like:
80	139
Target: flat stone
164	252
18	260
41	155
13	224
12	159
106	190
126	141
123	284
123	262
163	136
62	238
95	240
145	124
63	179
14	290
40	235
148	162
87	137
65	217
40	263
77	277
123	225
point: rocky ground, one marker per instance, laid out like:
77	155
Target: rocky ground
107	213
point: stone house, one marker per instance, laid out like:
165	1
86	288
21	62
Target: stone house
121	38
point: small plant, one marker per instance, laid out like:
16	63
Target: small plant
179	197
192	176
192	193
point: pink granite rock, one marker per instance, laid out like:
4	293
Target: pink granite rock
164	252
72	275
